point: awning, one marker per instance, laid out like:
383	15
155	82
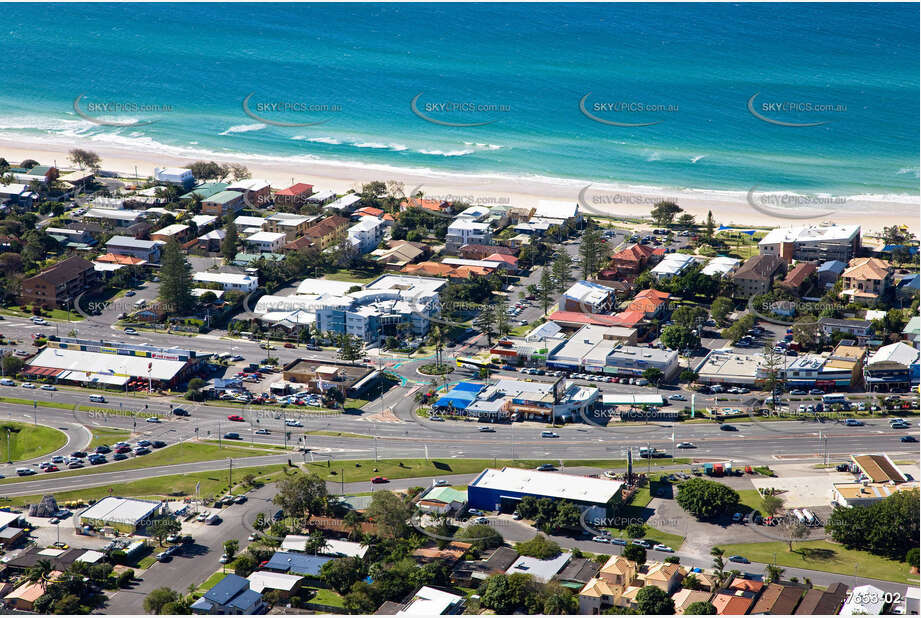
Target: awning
45	372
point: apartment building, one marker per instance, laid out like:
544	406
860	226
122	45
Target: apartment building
222	203
465	231
812	243
756	275
60	284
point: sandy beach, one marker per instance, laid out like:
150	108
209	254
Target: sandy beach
734	208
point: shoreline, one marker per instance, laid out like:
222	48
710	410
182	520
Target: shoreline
734	208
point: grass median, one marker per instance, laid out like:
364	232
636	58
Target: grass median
25	441
107	436
825	556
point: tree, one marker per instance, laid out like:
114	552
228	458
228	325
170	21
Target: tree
772	573
507	593
772	504
84	159
230	242
340	574
689	317
773	364
686	220
700	608
208	170
879	528
721	308
562	271
794	530
162	527
709	226
538	547
245	564
353	521
175	280
482	536
485	322
558	601
390	514
636	553
718	562
545	290
503	325
592	252
301	495
704	499
663	213
362	598
12	365
230	548
679	338
654	601
349	347
691	582
158	599
653	375
39	572
913	557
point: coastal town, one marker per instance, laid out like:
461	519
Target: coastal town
229	396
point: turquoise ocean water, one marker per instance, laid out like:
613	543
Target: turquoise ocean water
517	71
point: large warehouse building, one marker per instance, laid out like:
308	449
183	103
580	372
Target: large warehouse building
501	490
124	514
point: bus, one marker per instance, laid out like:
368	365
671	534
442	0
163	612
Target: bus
476	363
829	398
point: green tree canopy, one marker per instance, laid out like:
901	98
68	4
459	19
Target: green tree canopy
704	499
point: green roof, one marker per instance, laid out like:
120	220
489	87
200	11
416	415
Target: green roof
446	494
206	190
246	258
223	197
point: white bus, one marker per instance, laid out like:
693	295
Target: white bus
834	398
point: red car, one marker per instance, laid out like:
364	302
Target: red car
236	418
290	345
51	469
380	479
123	449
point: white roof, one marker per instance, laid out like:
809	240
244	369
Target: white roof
111	364
325	286
466	223
336	547
321	196
7	518
864	600
260	580
673	263
411	285
545	330
232	278
170	230
811	233
14	188
102	213
430	602
203	220
463	262
367	224
250	184
173	171
720	266
541	570
588	292
244	221
120	510
549	484
898	352
91	557
266	237
344	202
556	209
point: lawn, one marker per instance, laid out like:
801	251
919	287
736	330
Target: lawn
28	441
752	499
213	483
107	436
825	556
212	581
53	314
185	452
326	597
344	274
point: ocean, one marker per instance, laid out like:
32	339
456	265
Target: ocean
810	98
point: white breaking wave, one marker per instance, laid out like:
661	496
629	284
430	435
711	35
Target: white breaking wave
446	153
243	128
697	158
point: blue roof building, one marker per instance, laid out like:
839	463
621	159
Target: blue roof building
231	595
461	396
297	564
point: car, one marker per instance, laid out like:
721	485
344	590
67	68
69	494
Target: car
289	422
95	460
739	559
49	387
74	465
40	321
253	537
119	456
143	442
131	331
736	518
236	418
262	432
28	385
440	483
908	439
437	419
798	391
616	541
816	391
51	468
853	422
290	345
485	429
379	479
202	517
158	444
240	499
224	559
546	467
57	459
642	543
180	412
232	435
121	450
725	427
678	397
686	445
665	548
130	293
78	454
475	512
480	521
7	382
601	539
549	434
152	419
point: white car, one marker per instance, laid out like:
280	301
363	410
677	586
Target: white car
262	432
601	539
130	331
678	398
153	419
7	382
664	548
28	385
440	483
686	445
485	429
290	422
48	387
40	321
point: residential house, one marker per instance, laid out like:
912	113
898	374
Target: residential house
426	601
672	265
306	565
293	197
43	174
229	282
777	600
60	284
345	203
321	198
232	595
822	602
290	225
175	176
178	232
721	267
865	600
684	597
578	573
204	190
605	589
23	598
465	231
473	572
505	262
113	218
212	241
399	254
321	235
223	203
586	297
541	570
798	277
912	331
113	259
812	242
861	330
257	193
631	261
478	251
17	193
829	272
450	553
665	576
653	304
367	211
148	250
284	585
756	275
866	280
907	286
366	235
265	242
439	206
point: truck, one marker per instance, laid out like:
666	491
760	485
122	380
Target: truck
799	516
647	453
811	519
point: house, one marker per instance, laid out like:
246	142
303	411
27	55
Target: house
439	206
114	259
653	304
204	190
586	297
861	330
257	193
505	262
212	241
665	576
912	331
290	225
756	275
478	252
147	250
344	204
672	265
229	282
777	600
178	232
632	260
798	276
232	595
426	601
23	598
17	193
471	572
175	176
321	198
721	267
865	601
683	598
306	565
606	588
908	286
912	600
321	235
828	272
367	234
113	218
866	280
560	212
222	203
442	500
367	211
265	242
399	254
578	572
60	284
284	585
822	602
293	197
465	231
812	242
541	570
733	602
450	553
892	368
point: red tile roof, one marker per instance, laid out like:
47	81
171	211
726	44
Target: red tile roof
498	257
296	189
626	318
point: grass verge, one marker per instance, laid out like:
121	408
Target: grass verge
107	436
28	441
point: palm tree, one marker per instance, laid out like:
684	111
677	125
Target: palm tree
718	562
437	339
38	574
773	573
353	521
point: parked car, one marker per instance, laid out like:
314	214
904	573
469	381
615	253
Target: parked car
131	331
49	387
546	467
616	541
142	450
7	382
665	548
739	559
158	444
379	479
